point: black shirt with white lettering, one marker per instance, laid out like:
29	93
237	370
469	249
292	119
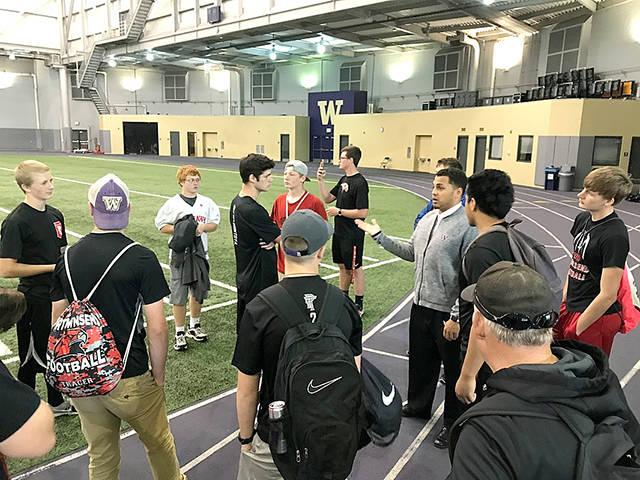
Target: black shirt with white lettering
596	245
351	193
256	267
261	333
136	276
33	237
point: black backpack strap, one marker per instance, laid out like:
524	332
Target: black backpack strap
501	404
332	305
283	304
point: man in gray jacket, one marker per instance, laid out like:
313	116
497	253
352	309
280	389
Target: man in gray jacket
436	246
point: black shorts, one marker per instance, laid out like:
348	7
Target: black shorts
35	324
342	248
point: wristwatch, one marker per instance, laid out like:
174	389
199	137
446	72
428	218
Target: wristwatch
248	440
455	318
339	212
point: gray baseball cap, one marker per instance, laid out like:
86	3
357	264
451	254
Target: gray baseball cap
297	166
310	227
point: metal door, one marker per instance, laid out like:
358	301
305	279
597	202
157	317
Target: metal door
480	153
174	140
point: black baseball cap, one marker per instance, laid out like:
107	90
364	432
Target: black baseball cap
514	296
310	227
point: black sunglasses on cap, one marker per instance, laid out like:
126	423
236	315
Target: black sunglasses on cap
519	321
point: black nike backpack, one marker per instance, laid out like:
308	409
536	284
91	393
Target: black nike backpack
382	405
319	382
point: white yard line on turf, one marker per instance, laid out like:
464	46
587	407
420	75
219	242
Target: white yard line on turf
330	267
370	259
210	307
366	267
206	169
4	350
385	354
213	282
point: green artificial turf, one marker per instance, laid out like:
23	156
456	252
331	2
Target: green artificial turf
204	369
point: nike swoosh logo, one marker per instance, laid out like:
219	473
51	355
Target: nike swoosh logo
387	399
313	389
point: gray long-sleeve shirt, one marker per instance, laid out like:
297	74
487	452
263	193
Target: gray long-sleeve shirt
437	262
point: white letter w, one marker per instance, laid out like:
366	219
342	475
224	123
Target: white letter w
327	112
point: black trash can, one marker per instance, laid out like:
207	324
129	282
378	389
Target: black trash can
551	178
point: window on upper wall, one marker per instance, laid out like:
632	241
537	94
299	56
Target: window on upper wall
495	148
351	76
446	70
263	85
564	46
77	93
606	151
175	87
525	148
122	22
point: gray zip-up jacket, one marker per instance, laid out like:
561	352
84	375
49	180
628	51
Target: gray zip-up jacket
437	265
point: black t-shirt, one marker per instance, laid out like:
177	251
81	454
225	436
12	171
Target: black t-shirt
485	251
18	403
190	200
256	268
596	245
136	276
351	193
33	237
261	333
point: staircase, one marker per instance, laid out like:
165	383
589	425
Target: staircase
87	76
137	20
98	101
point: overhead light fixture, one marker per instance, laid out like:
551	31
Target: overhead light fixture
321	49
6	79
635	30
507	53
112	62
149	57
12	56
401	71
273	55
132	84
220	80
488	2
309	81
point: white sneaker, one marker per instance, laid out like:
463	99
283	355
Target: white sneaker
65	408
180	344
197	334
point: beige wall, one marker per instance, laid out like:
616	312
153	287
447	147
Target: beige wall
240	134
382	135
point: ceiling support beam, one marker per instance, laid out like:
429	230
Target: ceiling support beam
589	4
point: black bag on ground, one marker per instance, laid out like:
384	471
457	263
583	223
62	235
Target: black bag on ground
606	451
528	251
382	404
319	382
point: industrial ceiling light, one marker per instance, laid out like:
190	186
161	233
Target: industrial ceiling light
6	79
401	71
149	57
12	56
132	84
273	55
488	2
309	81
507	53
112	62
220	80
321	49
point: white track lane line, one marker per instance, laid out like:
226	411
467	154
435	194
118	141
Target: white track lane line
559	258
630	374
385	354
393	325
413	448
4	350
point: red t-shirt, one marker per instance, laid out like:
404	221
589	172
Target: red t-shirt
282	209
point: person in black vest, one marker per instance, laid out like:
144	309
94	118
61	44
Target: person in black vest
261	332
351	195
254	234
32	238
539	385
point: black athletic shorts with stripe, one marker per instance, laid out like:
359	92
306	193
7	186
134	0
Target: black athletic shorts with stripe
342	248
